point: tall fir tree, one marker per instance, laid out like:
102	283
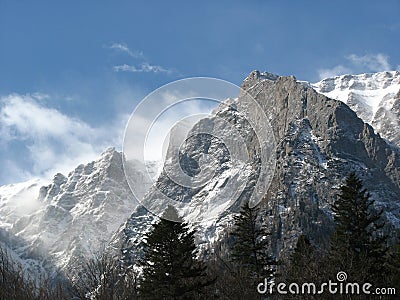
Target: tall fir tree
358	245
303	262
250	249
170	268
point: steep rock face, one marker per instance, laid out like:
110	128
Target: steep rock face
75	217
319	141
374	97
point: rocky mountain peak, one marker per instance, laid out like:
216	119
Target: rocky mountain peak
339	128
375	97
77	215
319	141
257	76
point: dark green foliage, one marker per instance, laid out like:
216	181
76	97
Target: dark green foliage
233	282
170	267
303	263
303	266
250	250
358	247
238	262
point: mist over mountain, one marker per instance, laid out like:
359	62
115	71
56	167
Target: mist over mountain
75	215
319	141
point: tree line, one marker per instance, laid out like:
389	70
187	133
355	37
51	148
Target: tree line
171	267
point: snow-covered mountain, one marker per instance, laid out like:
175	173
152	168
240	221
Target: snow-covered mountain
318	142
72	217
375	97
17	200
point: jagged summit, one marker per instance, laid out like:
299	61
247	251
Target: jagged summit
364	81
319	140
75	215
261	76
375	97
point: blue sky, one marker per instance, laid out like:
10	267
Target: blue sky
72	71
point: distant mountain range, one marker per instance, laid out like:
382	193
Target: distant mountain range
374	97
322	132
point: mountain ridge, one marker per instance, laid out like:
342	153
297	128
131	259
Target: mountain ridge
78	214
319	141
374	96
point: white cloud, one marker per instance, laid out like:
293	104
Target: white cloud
124	48
155	117
335	71
48	140
186	113
125	68
30	118
144	67
355	64
371	62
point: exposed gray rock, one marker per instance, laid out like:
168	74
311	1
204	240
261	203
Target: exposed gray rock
375	97
319	142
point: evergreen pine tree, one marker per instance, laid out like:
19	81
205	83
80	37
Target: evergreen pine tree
170	267
358	246
303	264
250	249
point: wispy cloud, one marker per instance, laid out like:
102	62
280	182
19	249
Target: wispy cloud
358	64
144	67
335	71
122	47
47	141
371	62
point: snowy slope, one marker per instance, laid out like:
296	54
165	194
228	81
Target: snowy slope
319	142
375	97
53	225
18	200
74	216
